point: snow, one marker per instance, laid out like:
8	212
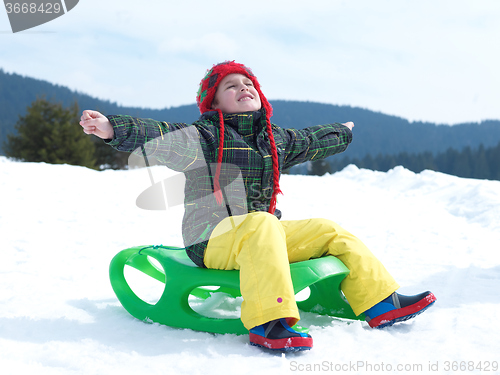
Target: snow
61	225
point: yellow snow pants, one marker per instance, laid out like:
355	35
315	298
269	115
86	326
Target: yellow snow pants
262	248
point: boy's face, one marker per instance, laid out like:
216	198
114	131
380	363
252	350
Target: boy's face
236	94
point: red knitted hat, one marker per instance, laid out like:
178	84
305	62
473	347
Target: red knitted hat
209	84
204	99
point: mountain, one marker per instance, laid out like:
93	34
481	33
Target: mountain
375	132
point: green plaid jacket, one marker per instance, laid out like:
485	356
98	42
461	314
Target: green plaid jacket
246	174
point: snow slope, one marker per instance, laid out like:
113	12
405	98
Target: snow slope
61	225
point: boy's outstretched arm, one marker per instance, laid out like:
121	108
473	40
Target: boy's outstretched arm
314	142
349	124
96	123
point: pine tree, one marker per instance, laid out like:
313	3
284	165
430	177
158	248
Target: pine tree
50	133
368	162
461	166
480	167
493	156
320	167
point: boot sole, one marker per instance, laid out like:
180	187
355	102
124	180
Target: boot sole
291	344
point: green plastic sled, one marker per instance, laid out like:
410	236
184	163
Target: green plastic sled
183	278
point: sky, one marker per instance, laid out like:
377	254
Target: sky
426	60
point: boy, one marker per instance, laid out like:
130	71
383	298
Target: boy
235	129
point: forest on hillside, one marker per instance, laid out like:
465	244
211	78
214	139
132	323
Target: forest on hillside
380	141
480	163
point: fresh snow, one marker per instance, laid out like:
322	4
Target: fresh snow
61	225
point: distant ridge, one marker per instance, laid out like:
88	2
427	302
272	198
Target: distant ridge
375	133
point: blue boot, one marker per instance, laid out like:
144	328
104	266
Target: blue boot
277	335
398	308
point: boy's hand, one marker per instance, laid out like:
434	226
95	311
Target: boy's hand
96	123
349	124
